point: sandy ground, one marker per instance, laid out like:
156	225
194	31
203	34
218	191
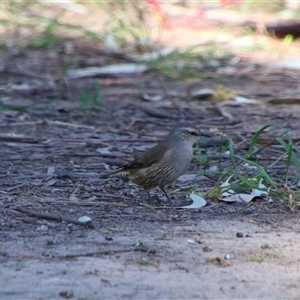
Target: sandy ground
178	269
52	154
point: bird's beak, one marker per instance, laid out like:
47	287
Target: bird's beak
204	133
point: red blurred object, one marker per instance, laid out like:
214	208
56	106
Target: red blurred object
182	23
157	8
225	2
185	22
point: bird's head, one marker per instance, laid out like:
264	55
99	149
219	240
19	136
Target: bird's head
187	132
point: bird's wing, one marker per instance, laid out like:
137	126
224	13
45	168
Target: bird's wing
148	158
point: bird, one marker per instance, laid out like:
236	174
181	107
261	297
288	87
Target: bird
164	163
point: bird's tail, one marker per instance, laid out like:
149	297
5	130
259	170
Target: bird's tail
120	173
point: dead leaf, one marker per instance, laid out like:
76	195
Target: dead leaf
118	69
198	202
220	261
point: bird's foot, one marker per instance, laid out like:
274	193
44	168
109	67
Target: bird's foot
156	201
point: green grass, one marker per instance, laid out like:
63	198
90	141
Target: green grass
145	262
260	259
272	255
287	189
35	24
128	21
190	62
256	258
91	98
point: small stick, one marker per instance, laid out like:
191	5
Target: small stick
52	217
100	252
110	251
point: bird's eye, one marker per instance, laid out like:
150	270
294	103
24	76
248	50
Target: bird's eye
193	133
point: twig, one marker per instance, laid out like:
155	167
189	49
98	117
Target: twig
88	142
111	251
107	201
100	252
156	113
23	123
22	139
10	71
52	217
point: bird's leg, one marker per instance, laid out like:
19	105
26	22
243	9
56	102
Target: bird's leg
148	195
169	201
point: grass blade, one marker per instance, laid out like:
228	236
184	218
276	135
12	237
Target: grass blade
251	151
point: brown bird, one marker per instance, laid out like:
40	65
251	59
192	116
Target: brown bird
165	162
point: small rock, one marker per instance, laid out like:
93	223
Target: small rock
265	246
128	211
66	294
207	249
42	228
85	219
239	235
201	93
227	256
49	242
70	227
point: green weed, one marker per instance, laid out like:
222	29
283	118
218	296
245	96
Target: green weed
32	23
286	190
255	258
272	255
145	262
128	21
91	98
188	63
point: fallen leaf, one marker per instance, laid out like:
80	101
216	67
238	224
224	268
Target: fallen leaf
120	69
239	198
149	56
198	202
220	261
244	100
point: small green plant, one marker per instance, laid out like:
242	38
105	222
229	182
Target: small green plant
255	258
127	21
272	255
139	243
12	107
91	98
286	190
32	23
188	63
145	262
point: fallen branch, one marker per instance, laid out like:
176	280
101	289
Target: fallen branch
52	217
110	251
100	252
22	139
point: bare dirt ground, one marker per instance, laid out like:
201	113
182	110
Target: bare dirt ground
51	157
